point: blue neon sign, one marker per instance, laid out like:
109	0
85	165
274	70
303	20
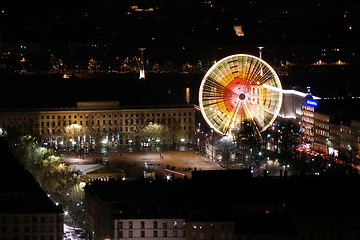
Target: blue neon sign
311	103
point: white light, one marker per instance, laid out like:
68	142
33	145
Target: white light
301	94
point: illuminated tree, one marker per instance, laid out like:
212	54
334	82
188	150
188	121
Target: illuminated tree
152	132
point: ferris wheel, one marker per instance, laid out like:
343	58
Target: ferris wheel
238	88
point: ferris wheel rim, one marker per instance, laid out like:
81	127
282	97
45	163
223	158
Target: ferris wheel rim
261	61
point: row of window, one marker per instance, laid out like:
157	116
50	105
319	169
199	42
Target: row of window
155	224
115	122
155	233
118	115
26	117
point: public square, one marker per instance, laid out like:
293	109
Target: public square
174	163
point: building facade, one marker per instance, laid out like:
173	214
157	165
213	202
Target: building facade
149	228
320	134
93	124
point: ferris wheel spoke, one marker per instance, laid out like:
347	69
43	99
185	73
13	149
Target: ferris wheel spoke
215	102
233	116
219	87
249	114
253	71
263	76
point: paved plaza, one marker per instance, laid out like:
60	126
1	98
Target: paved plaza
175	163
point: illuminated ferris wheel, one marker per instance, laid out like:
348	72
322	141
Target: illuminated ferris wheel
237	88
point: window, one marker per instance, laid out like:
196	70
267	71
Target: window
130	234
121	235
175	233
155	233
142	224
175	223
155	224
130	225
164	233
164	224
142	234
120	225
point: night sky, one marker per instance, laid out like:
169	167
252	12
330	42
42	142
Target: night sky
296	34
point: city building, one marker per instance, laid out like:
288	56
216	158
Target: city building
206	207
91	124
320	133
149	228
292	107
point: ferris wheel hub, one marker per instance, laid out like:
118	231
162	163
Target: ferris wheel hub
242	96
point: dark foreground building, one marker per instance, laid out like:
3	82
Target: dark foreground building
26	213
225	205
